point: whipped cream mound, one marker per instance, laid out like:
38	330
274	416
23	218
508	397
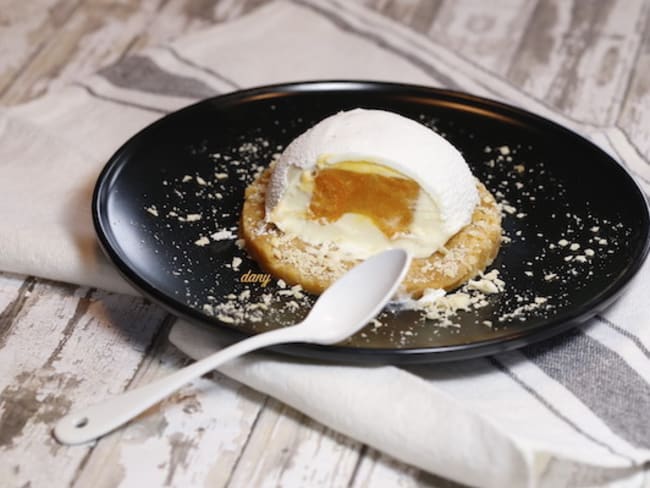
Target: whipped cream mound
379	143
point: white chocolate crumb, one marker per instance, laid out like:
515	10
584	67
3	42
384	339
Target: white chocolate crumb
520	312
203	241
222	235
484	286
295	292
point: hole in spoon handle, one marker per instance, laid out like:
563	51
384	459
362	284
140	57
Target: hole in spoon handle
87	425
81	423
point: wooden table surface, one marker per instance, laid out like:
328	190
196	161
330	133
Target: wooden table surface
589	59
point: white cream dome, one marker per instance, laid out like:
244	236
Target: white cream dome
448	193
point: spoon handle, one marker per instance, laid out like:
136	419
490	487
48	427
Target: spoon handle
89	423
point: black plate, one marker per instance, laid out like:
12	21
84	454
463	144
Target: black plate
555	185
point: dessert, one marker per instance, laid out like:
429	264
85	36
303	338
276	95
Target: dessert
362	181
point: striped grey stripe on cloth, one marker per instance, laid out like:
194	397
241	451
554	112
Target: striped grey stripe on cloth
138	72
189	62
567	360
601	379
132	76
634	338
95	94
551	407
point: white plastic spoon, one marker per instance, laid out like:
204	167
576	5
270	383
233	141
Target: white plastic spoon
343	309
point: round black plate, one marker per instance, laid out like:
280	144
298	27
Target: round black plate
166	209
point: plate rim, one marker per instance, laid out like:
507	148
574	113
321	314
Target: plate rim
339	353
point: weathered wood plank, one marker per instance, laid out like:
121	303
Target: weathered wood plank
194	438
377	469
177	17
634	118
574	55
14	291
418	14
288	449
68	345
25	28
98	33
486	33
577	55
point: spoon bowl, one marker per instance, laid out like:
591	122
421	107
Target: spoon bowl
356	298
343	309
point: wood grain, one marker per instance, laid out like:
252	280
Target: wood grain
486	33
67	345
285	449
577	55
25	29
194	438
378	469
417	14
634	117
85	36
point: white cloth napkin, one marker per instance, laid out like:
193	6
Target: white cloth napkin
570	411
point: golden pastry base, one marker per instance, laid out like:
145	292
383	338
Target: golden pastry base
466	254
